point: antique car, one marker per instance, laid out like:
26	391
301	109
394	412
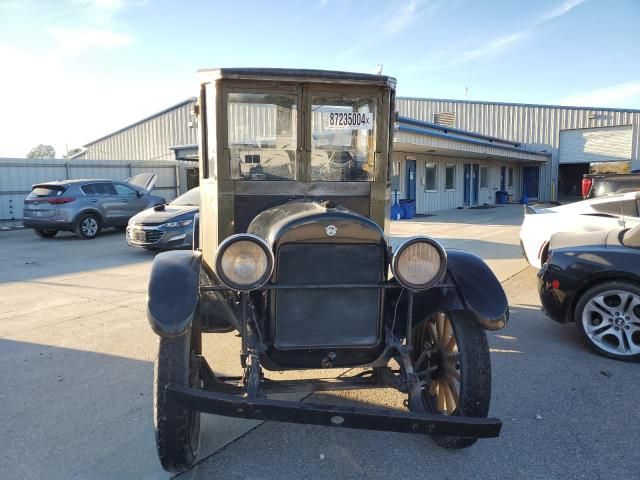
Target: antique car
303	271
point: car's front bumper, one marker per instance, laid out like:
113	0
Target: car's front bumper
161	238
382	419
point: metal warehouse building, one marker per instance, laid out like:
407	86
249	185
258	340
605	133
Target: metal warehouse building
448	153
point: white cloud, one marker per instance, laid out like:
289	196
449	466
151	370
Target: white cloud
448	59
400	19
619	95
494	46
559	11
76	41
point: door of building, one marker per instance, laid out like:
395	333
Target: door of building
471	178
503	175
530	182
467	184
475	183
410	166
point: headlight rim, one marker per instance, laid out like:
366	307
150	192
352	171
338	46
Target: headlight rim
226	243
437	277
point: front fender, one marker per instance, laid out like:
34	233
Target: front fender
480	290
172	302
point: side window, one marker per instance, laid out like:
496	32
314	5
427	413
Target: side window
430	177
88	189
510	183
124	190
103	189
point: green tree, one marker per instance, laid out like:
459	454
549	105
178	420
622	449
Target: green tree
42	151
72	152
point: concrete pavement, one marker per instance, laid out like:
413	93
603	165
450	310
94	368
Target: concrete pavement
76	359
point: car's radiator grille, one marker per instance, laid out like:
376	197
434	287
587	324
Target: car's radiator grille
327	317
152	236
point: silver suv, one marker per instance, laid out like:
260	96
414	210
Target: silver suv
87	206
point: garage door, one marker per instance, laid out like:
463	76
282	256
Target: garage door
601	144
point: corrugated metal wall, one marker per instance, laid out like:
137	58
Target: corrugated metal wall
537	126
17	175
442	199
148	140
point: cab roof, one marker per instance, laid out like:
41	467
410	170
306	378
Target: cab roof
294	74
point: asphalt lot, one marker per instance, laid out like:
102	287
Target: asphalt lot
76	359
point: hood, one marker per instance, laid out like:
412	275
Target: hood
306	221
168	213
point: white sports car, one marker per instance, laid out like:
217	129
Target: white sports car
543	220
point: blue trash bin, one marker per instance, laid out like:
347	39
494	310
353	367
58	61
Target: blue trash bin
397	212
408	207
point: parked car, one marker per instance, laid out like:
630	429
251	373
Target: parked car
299	269
87	206
593	279
602	184
541	221
165	226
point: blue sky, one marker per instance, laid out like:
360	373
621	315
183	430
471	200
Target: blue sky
79	69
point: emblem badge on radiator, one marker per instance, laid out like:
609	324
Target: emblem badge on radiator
331	230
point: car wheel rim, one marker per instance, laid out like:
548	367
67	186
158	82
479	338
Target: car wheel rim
438	364
89	227
611	321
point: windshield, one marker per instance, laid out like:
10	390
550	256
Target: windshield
342	138
191	198
262	136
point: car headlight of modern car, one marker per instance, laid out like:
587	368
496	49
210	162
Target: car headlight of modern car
419	263
178	223
244	262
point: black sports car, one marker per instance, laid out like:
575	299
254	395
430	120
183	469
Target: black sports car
593	279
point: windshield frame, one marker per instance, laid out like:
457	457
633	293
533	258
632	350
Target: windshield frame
304	94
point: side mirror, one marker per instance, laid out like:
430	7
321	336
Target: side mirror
139	194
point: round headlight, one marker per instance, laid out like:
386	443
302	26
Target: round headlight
419	263
244	262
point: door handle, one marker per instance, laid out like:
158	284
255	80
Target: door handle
125	201
94	200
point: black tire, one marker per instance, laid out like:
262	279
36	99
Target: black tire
177	429
620	329
472	369
88	226
46	233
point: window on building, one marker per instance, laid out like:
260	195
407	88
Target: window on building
450	177
395	175
510	177
484	177
252	159
430	177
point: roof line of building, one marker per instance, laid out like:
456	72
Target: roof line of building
447	129
419	131
146	119
534	105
